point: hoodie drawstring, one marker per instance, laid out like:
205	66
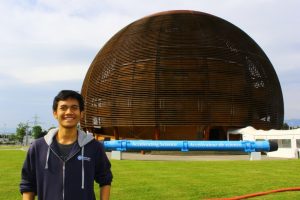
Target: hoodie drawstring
82	167
47	158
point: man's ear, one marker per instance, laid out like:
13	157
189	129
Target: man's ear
55	114
81	114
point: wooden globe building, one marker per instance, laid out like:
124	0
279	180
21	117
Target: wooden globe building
180	75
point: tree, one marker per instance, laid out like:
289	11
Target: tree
285	126
12	138
37	132
21	131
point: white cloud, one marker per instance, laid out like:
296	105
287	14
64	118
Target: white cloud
40	38
33	75
48	41
291	100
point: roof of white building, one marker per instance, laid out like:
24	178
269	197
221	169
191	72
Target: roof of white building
252	131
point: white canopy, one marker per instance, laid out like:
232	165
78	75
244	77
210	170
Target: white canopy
251	131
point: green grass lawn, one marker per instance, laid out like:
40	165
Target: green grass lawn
177	179
10	147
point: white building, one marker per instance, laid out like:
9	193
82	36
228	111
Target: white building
288	140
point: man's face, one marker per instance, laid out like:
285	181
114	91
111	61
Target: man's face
68	113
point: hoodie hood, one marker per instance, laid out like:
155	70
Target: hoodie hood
83	138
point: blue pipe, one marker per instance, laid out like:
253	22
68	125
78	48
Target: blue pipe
174	145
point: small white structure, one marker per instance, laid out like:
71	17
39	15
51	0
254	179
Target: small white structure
255	156
116	155
27	140
288	140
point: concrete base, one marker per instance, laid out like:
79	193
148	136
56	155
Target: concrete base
255	156
116	155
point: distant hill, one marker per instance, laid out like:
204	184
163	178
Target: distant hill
293	122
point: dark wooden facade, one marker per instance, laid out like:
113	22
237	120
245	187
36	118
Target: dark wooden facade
180	75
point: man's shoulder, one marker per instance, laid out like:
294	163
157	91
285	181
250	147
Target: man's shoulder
95	146
95	143
39	145
39	142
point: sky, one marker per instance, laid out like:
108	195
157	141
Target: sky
48	45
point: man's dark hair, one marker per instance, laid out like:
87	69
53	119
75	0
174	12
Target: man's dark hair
66	94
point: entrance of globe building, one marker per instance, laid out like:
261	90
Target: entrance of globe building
217	133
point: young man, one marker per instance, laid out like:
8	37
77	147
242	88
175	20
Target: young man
64	164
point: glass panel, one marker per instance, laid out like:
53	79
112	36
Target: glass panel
298	143
286	143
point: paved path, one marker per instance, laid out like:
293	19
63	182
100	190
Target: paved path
139	156
173	157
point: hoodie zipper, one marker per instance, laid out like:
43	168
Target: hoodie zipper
64	164
64	167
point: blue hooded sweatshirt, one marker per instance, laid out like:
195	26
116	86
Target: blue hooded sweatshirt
52	178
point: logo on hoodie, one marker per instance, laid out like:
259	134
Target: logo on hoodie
80	157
